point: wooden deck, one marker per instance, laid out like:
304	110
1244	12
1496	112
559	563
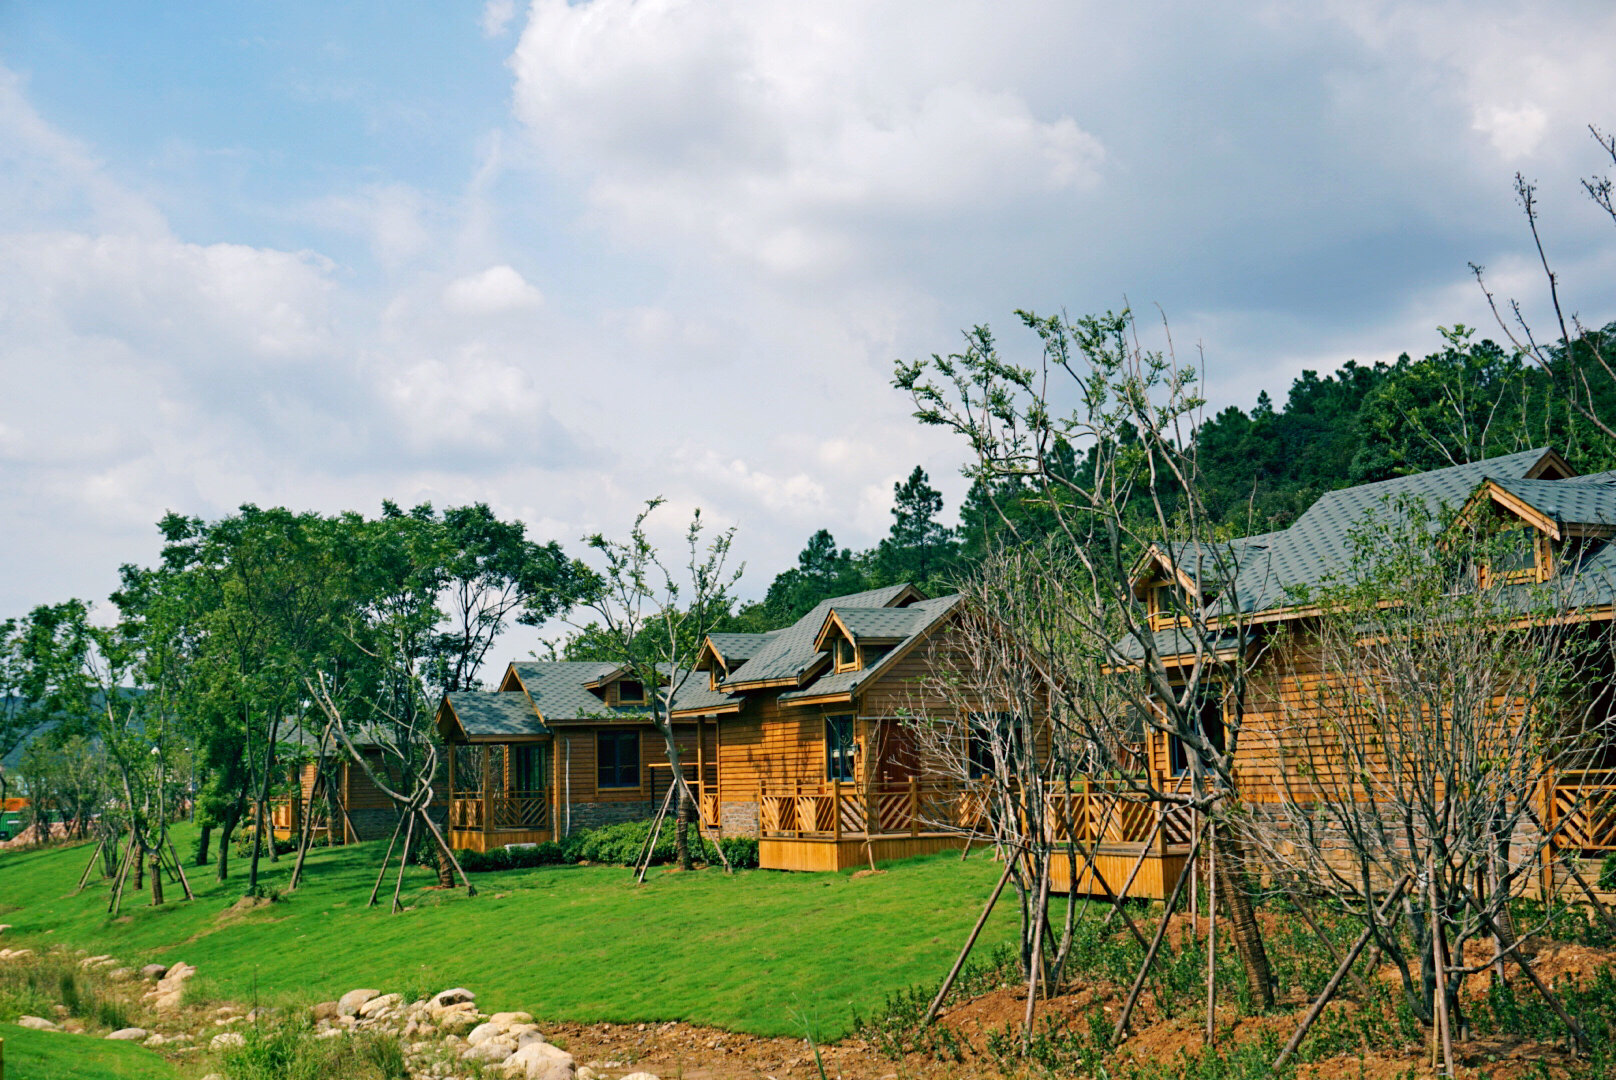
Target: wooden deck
483	820
823	853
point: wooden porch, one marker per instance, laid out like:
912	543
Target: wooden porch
493	797
835	825
1579	809
1128	837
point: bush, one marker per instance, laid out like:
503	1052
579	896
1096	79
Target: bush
618	845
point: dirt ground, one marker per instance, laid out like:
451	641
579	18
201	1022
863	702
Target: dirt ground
680	1050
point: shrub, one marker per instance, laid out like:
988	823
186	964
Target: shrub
618	844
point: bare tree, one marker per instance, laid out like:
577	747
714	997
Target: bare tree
1581	359
1414	722
653	621
1115	481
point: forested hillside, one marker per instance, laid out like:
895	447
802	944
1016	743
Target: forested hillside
1260	468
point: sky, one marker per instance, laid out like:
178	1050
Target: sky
565	257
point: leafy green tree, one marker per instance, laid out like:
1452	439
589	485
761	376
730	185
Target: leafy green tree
919	549
823	570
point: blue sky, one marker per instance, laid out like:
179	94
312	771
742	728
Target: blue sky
563	257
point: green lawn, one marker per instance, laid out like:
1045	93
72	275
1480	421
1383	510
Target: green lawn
53	1055
750	953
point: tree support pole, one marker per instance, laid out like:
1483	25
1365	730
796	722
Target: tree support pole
1548	995
970	943
175	856
1155	944
377	888
94	855
1040	914
403	862
1335	980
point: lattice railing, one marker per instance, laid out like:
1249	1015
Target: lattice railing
522	810
1583	811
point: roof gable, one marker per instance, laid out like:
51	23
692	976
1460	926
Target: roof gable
791	656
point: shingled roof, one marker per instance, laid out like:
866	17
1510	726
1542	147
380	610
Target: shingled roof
903	624
1583	500
789	656
560	690
493	714
1319	543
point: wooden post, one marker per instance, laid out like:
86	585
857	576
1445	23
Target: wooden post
914	806
451	787
836	810
718	767
796	810
488	791
1546	872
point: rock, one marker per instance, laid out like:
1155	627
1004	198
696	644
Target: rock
584	1072
122	974
641	1076
15	954
153	972
348	1004
169	992
445	998
511	1018
227	1041
96	961
37	1023
4	926
326	1010
538	1060
483	1032
377	1005
492	1050
331	1033
531	1035
130	1035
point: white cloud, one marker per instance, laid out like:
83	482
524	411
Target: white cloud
764	134
497	15
497	289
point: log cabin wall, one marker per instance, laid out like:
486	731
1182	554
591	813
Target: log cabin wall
583	803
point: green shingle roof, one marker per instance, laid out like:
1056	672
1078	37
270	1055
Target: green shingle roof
484	713
1582	500
865	622
1319	543
560	690
790	653
916	619
736	649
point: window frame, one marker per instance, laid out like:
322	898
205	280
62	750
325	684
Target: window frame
621	700
841	756
846	646
1178	754
616	739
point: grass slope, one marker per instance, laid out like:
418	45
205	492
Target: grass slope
53	1055
759	952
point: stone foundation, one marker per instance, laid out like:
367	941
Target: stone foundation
593	815
377	823
738	818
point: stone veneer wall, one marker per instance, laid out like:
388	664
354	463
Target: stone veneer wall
738	818
377	823
592	815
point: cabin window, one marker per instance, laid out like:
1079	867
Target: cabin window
1167	603
979	756
1209	719
530	768
630	692
839	748
617	759
846	655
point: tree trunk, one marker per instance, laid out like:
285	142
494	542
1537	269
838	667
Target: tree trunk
681	832
261	810
203	839
1243	927
226	833
156	877
445	871
140	867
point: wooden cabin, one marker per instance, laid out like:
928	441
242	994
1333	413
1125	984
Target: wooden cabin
559	746
1535	491
796	737
336	787
810	728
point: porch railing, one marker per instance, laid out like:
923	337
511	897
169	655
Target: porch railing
837	809
1582	808
469	811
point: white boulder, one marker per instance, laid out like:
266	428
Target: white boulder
130	1034
227	1041
348	1004
538	1060
378	1005
445	998
491	1050
37	1023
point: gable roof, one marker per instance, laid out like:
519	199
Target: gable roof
1579	501
559	690
492	714
903	624
880	624
736	649
1319	543
790	656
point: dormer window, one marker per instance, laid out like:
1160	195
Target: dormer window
846	655
1520	556
630	692
1166	602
